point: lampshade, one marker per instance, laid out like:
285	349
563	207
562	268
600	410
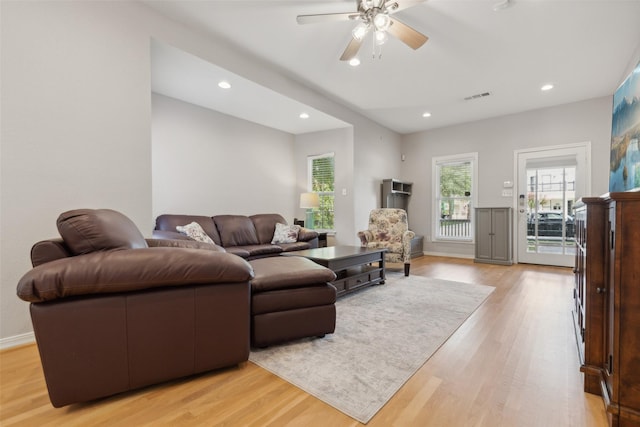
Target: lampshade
309	200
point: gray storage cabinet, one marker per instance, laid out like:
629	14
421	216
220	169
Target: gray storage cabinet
494	236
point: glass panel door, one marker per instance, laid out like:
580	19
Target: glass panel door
550	198
550	180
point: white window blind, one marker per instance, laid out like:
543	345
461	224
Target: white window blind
322	181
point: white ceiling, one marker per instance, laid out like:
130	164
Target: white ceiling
583	47
183	76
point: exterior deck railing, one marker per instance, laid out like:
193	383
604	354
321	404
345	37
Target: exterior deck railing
455	228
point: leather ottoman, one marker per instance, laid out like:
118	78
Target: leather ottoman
290	299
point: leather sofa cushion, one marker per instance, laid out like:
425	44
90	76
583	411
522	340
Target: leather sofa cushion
130	270
236	230
297	246
90	230
291	299
265	225
169	223
188	244
259	250
287	272
243	253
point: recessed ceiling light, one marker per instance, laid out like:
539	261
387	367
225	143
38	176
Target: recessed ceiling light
354	62
224	84
304	115
546	87
426	114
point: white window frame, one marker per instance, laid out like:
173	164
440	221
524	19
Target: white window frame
436	163
310	160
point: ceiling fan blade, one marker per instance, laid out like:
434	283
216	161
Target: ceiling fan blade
406	34
352	49
326	17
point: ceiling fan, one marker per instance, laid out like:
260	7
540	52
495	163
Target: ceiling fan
373	16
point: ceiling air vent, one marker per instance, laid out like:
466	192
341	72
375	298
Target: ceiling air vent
480	95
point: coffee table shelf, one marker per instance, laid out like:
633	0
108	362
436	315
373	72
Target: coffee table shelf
353	265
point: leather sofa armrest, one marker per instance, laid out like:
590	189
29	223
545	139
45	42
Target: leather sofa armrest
130	270
48	250
306	234
187	244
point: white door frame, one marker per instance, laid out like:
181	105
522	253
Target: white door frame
542	152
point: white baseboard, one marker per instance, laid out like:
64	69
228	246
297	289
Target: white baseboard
16	340
450	255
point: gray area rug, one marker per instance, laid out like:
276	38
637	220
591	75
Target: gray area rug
383	335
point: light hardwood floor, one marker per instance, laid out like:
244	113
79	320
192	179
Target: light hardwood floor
513	363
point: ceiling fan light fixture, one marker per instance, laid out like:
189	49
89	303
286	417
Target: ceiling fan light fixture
360	31
381	37
381	21
354	62
224	84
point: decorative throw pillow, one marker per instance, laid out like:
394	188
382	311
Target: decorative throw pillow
285	233
195	232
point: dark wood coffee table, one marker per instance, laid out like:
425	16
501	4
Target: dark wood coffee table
352	264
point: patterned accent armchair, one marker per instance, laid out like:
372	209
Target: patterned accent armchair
389	228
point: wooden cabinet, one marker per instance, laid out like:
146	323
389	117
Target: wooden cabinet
588	294
622	310
493	236
616	331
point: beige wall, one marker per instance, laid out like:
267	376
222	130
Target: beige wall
75	126
208	163
76	123
495	140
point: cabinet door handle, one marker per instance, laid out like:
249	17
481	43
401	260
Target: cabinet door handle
601	290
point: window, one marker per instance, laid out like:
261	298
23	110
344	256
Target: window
321	180
454	182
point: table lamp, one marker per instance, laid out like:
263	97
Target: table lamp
309	201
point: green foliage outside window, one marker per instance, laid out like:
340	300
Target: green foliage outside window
455	188
323	182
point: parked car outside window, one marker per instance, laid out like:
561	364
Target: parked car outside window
550	224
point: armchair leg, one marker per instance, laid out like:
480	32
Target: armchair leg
406	269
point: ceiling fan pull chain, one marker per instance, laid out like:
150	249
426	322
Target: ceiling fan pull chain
373	45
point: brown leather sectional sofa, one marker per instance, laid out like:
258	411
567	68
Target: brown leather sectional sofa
113	311
246	236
